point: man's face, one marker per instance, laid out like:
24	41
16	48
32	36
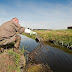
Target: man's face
15	20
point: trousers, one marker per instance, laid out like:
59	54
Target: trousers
15	38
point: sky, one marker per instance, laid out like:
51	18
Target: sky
38	14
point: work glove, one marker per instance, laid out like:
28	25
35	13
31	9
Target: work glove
33	33
30	32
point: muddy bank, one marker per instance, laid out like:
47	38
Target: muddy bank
13	60
60	43
6	64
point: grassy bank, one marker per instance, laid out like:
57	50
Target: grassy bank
58	35
62	37
13	60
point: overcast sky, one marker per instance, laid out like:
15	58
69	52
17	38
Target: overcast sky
37	14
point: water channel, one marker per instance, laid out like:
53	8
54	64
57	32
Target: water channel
57	59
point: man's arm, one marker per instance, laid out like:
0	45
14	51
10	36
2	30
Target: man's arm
25	30
21	29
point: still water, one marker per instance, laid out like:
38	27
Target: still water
57	59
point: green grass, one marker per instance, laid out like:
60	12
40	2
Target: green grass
57	35
54	34
28	35
15	57
63	36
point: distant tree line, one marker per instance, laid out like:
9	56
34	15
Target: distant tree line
41	29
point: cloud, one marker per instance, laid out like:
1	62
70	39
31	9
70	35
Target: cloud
38	14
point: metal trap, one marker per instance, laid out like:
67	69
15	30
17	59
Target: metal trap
39	51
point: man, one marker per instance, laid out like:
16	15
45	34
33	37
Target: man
9	30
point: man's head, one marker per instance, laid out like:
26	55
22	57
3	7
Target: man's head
15	20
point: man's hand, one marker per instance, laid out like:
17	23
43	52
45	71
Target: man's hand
30	32
33	33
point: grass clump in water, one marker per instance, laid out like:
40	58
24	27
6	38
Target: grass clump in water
38	68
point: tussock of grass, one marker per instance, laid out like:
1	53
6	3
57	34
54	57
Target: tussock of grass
38	68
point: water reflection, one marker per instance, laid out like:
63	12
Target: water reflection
28	43
57	59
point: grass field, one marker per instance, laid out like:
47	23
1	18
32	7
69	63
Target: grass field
61	36
55	34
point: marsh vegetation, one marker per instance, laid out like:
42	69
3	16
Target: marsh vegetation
58	37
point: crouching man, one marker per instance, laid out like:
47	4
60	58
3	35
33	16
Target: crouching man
8	32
